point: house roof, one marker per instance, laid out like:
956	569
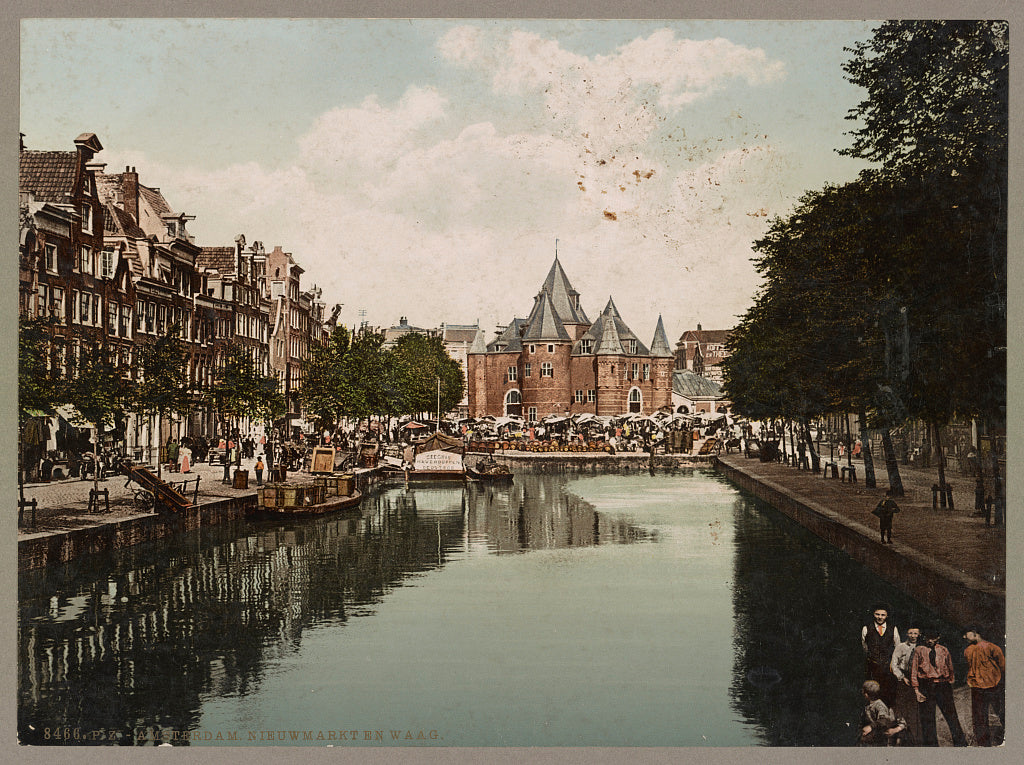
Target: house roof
544	323
116	221
479	344
219	259
510	340
659	345
564	298
705	335
610	335
48	175
686	383
460	333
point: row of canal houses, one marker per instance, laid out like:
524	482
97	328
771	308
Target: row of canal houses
110	259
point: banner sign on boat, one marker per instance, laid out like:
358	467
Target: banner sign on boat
438	460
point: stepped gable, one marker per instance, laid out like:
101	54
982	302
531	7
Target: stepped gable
510	340
565	299
659	345
544	323
48	175
610	332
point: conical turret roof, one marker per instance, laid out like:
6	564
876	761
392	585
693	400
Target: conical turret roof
478	346
609	333
544	323
565	299
659	345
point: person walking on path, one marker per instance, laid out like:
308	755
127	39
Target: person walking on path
986	667
879	640
259	470
880	726
885	510
931	676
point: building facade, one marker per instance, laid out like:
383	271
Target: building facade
557	361
702	351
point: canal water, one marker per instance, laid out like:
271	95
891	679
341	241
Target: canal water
567	609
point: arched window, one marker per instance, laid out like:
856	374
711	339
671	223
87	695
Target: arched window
684	409
636	401
513	402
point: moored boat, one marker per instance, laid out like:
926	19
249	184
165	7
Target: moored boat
489	471
291	501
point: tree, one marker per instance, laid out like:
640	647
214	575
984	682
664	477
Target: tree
324	394
423	364
163	385
40	383
936	120
241	390
99	389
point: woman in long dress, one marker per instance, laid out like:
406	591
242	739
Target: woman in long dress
186	459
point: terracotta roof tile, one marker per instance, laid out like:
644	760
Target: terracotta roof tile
220	259
48	175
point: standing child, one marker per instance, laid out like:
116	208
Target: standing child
259	470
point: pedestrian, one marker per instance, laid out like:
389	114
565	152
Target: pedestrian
879	640
227	466
999	500
880	726
986	667
931	677
979	498
259	470
904	700
885	510
186	459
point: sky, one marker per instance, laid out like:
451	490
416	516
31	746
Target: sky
426	168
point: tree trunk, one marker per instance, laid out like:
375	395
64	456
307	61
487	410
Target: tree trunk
941	461
815	462
865	450
892	466
792	446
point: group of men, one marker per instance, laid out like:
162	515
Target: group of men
914	677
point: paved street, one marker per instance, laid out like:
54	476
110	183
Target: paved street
64	504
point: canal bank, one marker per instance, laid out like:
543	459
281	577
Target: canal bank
946	559
65	528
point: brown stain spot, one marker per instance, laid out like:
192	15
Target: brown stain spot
580	184
608	214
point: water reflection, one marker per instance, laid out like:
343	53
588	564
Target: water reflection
798	609
125	648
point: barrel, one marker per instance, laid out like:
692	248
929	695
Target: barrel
241	479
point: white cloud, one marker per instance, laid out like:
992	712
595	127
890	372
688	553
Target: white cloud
414	209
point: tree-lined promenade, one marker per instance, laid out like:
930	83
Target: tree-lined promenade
885	297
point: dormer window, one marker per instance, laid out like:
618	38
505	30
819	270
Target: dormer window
586	346
631	346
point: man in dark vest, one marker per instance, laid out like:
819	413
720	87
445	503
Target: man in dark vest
879	639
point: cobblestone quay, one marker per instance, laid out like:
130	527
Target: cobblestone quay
947	559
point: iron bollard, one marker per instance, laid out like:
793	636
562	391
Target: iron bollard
949	495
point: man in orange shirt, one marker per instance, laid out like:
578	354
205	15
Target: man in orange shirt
931	677
986	667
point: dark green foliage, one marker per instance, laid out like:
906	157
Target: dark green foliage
240	390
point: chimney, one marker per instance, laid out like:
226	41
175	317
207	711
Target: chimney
130	184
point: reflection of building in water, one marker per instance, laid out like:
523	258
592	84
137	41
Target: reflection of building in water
528	515
139	640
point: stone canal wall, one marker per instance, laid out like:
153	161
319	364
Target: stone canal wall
44	549
955	596
593	461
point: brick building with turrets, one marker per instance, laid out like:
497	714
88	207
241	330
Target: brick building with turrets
557	361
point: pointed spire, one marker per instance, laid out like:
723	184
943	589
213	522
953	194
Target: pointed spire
478	346
565	299
609	343
610	309
544	323
660	346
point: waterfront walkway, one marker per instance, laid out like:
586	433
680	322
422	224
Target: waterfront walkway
63	505
955	538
